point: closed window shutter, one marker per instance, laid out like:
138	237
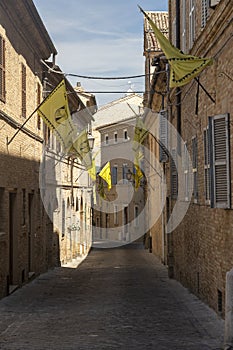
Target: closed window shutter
174	174
194	162
38	103
23	72
204	12
207	165
2	70
163	136
220	167
114	175
214	3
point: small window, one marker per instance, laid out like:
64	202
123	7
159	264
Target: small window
106	140
115	137
115	215
125	135
114	175
23	76
124	173
136	218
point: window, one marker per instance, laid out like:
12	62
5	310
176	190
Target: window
2	70
125	135
23	76
219	161
204	12
174	174
207	165
163	136
136	213
191	22
124	173
115	137
174	31
183	28
38	103
194	165
115	215
106	140
114	175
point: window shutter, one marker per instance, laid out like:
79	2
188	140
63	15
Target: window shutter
194	162
163	136
23	73
207	164
220	162
204	12
2	70
174	174
114	175
214	3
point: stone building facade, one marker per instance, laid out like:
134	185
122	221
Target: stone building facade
28	245
117	219
35	234
199	248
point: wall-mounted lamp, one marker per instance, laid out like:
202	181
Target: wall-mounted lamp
91	140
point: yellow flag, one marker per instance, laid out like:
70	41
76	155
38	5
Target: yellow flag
105	173
81	148
140	133
183	68
54	111
138	176
92	171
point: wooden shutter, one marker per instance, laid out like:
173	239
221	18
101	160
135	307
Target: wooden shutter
163	136
23	76
204	12
38	103
2	70
220	161
214	3
174	174
194	164
207	165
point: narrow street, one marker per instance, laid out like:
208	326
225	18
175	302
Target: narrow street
116	299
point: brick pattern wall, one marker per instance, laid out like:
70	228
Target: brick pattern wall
202	242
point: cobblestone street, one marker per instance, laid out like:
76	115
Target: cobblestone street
116	299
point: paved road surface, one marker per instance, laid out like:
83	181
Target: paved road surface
116	299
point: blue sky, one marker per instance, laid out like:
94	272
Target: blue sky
99	38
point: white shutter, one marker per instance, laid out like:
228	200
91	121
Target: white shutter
214	3
174	174
204	12
220	168
195	162
163	136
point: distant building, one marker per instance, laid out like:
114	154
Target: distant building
116	217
